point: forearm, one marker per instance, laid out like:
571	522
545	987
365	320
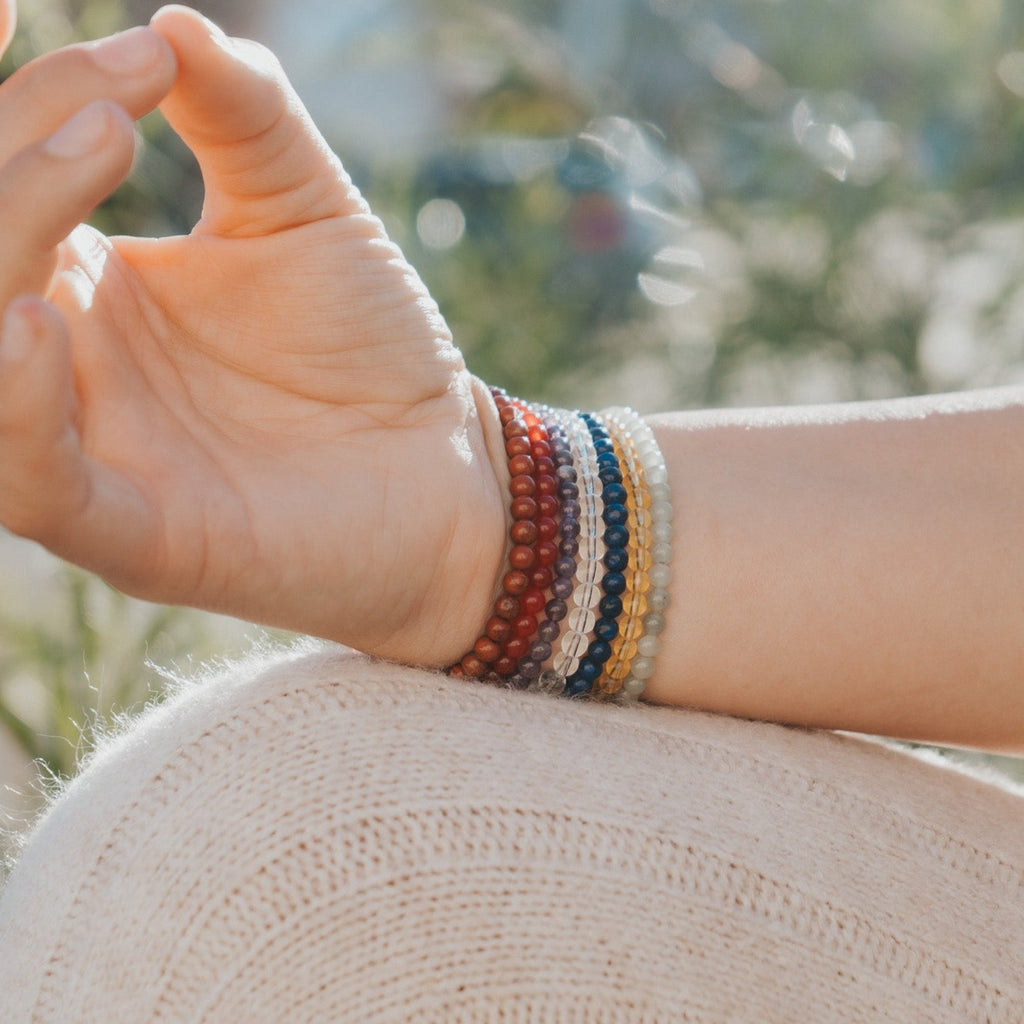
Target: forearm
857	567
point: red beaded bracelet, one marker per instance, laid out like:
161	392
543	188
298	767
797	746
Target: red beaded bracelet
533	486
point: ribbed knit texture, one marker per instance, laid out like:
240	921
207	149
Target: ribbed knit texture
331	839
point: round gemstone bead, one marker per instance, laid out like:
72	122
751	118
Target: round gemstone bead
517	446
548	631
547	552
521	465
498	629
633	687
522	486
654	623
504	666
524	507
547	503
649	646
661	575
582	619
616	536
529	667
473	666
642	668
541	577
521	557
627	652
547	527
616	559
566	565
540	651
486	649
550	682
516	581
662	531
614	514
524	531
614	583
517	647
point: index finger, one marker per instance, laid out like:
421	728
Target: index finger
8	22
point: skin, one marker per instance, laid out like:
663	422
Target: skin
269	418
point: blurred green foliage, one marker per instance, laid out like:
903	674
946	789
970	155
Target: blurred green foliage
82	657
664	202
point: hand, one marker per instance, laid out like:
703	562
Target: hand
267	417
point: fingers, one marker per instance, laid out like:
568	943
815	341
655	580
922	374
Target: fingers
37	445
50	490
133	69
51	187
264	164
8	22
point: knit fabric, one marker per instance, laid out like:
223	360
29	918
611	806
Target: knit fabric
331	839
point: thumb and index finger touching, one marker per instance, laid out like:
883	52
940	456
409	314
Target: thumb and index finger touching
264	164
265	168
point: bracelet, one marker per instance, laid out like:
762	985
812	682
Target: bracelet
564	567
614	561
582	603
508	633
634	598
586	595
655	473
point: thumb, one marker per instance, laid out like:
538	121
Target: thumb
265	166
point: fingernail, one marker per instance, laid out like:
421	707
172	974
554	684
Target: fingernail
81	134
128	53
17	340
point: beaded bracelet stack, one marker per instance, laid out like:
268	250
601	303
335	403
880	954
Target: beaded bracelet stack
582	605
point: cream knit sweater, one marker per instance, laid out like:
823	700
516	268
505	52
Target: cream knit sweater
330	839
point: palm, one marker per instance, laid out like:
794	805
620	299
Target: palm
262	406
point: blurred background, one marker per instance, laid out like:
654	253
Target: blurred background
670	203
